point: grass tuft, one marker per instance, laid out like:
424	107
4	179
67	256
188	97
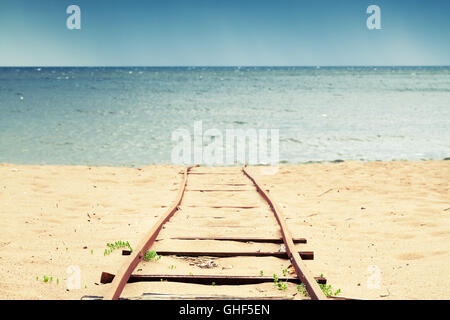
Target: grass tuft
116	245
326	289
151	255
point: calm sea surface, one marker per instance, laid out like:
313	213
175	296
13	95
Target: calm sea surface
126	116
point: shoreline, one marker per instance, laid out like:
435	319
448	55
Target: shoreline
393	215
281	163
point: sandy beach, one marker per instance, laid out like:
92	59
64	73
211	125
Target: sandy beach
379	230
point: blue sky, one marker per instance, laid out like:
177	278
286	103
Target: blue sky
226	32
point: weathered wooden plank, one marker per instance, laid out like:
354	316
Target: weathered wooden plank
242	239
206	279
305	255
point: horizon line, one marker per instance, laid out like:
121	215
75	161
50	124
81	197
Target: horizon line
221	66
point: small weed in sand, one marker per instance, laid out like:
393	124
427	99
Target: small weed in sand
326	289
151	255
261	273
275	278
48	279
281	285
302	289
117	245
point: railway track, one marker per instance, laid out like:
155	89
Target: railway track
236	218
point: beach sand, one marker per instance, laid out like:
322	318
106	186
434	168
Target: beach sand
379	230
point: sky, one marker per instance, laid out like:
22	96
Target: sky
224	33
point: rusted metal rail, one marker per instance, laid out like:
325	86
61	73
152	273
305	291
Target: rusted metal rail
311	285
124	275
136	256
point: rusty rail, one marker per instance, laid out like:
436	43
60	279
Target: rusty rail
306	278
136	256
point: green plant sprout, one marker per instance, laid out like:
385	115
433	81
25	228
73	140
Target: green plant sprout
151	255
282	286
326	289
302	289
278	283
275	278
117	245
261	273
47	279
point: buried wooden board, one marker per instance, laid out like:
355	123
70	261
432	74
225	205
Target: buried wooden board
305	255
224	199
218	179
217	232
205	279
222	222
235	211
213	231
242	239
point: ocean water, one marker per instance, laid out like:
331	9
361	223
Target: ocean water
126	116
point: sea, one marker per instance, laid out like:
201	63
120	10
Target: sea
125	116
